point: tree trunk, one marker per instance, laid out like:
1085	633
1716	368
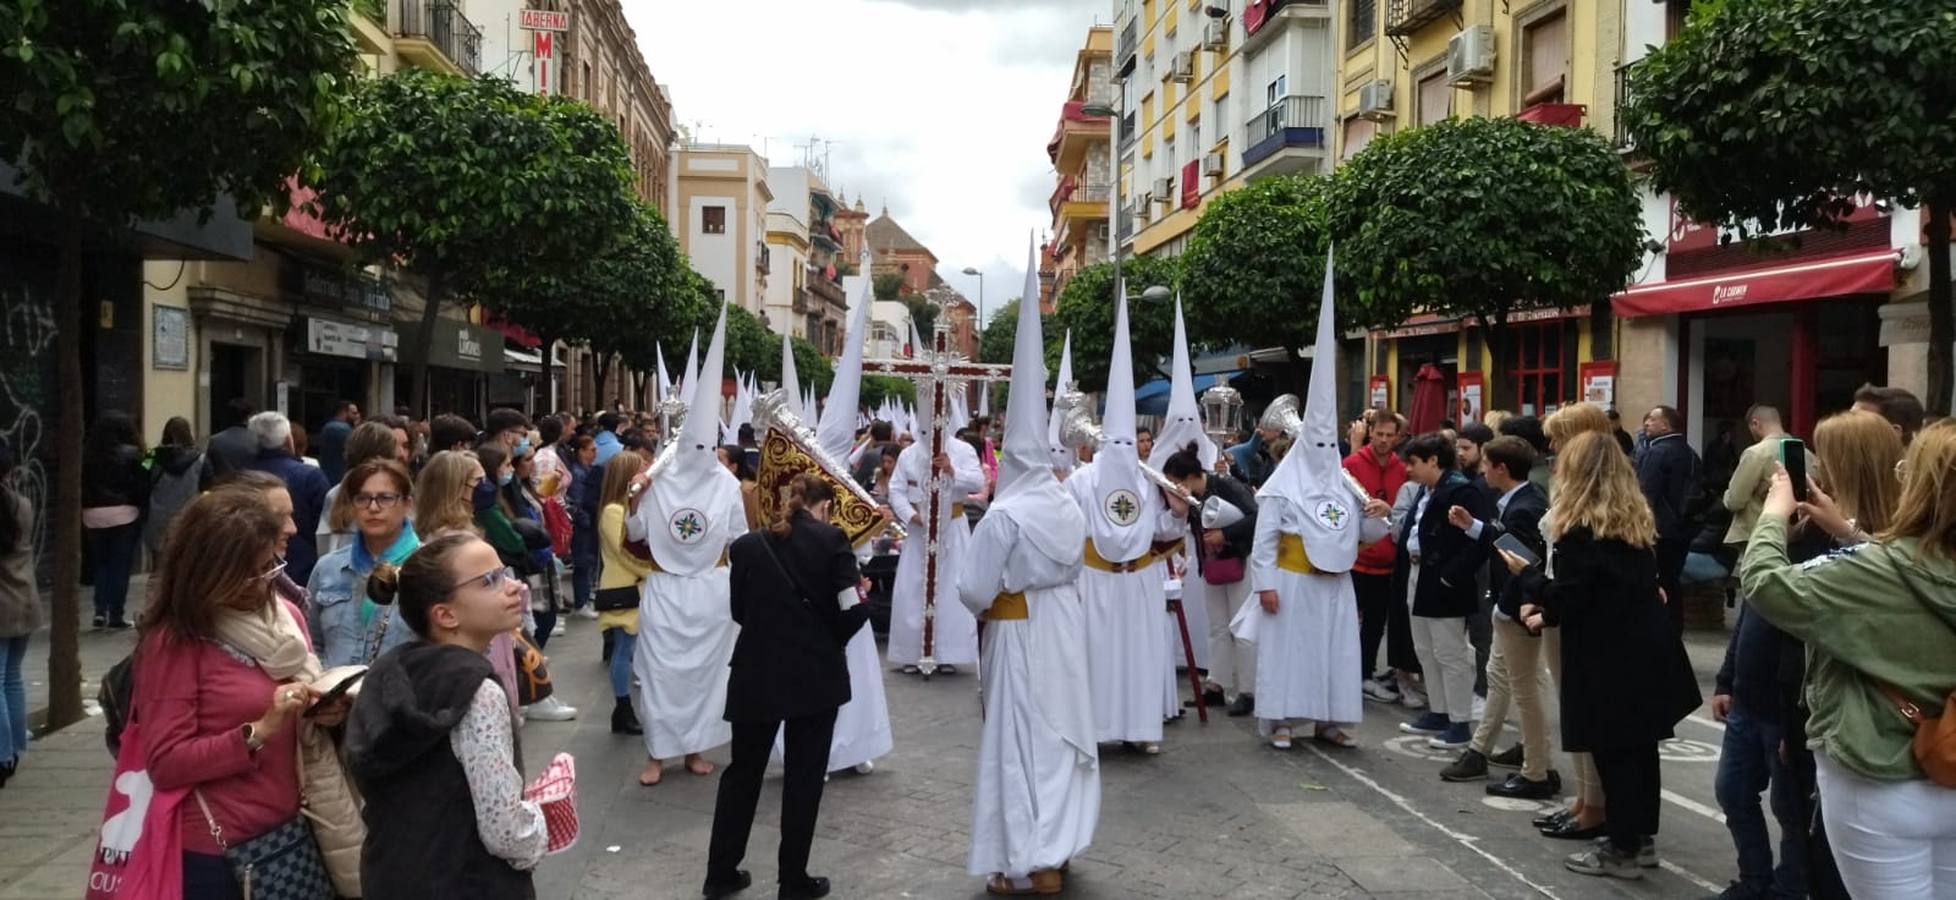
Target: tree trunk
1497	383
1942	319
64	646
424	341
1602	331
600	369
551	402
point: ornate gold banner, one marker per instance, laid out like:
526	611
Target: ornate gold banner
782	458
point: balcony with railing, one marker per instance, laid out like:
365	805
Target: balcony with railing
1258	14
435	34
1626	142
1291	122
1404	17
1124	50
1077	131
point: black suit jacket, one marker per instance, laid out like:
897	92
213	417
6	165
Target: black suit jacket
1450	561
1523	519
788	662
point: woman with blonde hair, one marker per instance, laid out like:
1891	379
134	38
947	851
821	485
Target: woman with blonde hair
442	493
1879	622
1625	680
620	585
1564	424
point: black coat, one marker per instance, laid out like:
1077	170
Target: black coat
1668	472
115	477
1523	519
1449	561
788	662
1625	678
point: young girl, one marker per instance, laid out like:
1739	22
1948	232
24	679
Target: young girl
431	741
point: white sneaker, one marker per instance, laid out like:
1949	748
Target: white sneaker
866	768
550	709
1380	693
1480	707
1280	739
586	613
558	629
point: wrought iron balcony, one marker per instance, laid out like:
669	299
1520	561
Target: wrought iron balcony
1626	143
1125	48
442	24
1403	17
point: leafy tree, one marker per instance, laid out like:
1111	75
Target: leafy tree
1257	256
461	180
887	286
1774	114
923	314
1484	217
124	110
1086	306
995	342
877	388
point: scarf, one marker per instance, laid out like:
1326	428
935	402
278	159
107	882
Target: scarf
272	638
395	554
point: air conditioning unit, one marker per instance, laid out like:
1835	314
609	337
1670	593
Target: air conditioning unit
1375	99
1164	189
1184	67
1470	56
1143	207
1212	164
1215	34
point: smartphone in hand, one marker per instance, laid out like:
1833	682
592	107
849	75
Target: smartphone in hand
1793	455
338	691
1515	546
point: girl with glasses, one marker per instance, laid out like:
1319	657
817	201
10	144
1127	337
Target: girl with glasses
431	740
353	629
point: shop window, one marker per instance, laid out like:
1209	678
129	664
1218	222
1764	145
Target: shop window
1545	59
713	220
1540	362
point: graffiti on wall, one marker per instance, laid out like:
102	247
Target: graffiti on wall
27	388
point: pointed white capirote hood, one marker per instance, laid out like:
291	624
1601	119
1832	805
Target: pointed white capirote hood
1062	455
790	383
1028	493
1182	425
664	383
1310	477
687	501
836	431
689	378
1120	529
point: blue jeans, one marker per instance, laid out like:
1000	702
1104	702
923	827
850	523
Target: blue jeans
623	644
111	554
13	699
546	623
1747	763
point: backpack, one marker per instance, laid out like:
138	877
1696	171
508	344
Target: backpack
115	695
169	494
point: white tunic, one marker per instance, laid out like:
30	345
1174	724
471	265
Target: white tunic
862	726
1037	796
685	639
1129	662
954	635
1307	651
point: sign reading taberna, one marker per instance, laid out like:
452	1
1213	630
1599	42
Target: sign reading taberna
544	20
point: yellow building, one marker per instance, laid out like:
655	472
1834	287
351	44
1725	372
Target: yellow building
1080	151
1407	63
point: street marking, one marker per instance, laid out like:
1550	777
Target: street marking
1693	805
1517	804
1687	875
1708	723
1468	841
1681	750
1415	746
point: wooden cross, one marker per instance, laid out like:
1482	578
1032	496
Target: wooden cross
935	371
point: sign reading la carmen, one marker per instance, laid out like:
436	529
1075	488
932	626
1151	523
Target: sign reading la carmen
544	20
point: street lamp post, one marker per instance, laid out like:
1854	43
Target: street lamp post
973	270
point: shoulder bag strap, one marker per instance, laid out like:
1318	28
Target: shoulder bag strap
1907	708
767	543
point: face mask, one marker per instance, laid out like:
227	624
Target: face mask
522	447
506	476
484	496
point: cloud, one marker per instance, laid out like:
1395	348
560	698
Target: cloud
940	109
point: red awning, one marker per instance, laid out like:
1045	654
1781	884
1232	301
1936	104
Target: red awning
1855	273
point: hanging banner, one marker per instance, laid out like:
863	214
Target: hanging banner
1470	387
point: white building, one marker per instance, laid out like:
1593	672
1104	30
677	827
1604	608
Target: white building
720	200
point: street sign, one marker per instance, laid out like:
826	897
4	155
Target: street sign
544	20
544	51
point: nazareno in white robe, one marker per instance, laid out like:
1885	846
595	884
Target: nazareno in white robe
1307	651
1130	666
686	637
1036	800
954	636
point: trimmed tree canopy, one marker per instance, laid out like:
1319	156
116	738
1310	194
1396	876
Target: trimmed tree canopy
1771	114
1481	217
1257	256
1086	305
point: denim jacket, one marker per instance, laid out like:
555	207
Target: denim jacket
342	623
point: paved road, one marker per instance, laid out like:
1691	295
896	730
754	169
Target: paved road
1217	814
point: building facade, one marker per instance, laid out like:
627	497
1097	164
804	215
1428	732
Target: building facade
805	294
720	199
1081	151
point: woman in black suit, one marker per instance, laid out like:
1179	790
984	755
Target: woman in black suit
1625	678
789	585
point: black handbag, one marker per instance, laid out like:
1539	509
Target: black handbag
281	864
614	599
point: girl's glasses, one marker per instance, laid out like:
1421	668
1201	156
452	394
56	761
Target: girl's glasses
492	580
377	501
271	573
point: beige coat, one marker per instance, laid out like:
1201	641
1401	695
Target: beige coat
20	600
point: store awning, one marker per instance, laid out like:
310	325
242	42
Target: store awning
1151	399
1855	273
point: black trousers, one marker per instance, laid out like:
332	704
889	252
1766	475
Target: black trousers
805	754
1631	781
1671	553
1383	617
1480	633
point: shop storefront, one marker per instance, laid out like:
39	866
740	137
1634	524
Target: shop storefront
1434	369
341	343
460	365
1799	328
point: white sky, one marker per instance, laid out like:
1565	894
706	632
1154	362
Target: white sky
939	108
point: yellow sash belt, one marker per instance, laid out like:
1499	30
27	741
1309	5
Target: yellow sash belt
1094	560
1008	606
1291	556
657	568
